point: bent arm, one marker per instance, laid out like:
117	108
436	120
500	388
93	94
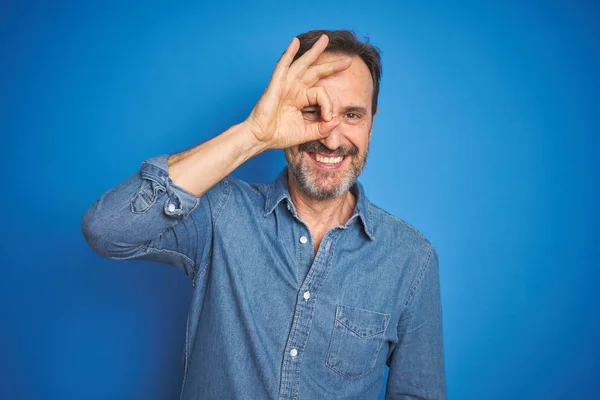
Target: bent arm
144	214
149	214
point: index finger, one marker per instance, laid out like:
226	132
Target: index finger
316	72
307	59
286	59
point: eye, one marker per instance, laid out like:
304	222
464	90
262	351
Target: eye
311	114
353	118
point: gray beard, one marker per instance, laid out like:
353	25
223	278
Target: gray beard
309	186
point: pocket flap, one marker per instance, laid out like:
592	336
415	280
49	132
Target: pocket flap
362	322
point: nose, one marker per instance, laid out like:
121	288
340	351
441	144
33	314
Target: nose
334	139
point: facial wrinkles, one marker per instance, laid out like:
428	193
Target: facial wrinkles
337	85
320	184
352	86
317	147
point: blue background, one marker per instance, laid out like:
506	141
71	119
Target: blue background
487	141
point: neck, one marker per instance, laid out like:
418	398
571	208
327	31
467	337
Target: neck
321	215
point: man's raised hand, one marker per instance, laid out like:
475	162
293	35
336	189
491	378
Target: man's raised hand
277	119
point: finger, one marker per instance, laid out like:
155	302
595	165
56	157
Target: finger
322	129
316	72
318	95
307	59
286	60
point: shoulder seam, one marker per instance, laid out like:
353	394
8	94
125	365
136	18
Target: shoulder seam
223	200
419	277
406	224
254	186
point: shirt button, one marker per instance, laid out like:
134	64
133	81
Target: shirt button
288	206
306	295
303	239
293	352
171	207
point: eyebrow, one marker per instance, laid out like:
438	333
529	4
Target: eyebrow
348	109
355	109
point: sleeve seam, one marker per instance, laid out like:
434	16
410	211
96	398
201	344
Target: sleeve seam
173	252
419	278
222	201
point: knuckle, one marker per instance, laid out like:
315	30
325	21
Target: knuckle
300	63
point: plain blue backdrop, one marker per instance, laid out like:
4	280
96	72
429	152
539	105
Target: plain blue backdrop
486	140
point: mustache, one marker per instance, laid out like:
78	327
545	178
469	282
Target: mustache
317	147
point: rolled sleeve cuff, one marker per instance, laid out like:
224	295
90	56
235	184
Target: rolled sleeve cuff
178	202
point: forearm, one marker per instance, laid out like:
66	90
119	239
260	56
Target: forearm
200	168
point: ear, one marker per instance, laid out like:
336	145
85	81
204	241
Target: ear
371	131
375	113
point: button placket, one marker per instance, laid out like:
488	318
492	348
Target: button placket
303	316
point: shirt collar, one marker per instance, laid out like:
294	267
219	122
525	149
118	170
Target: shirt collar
278	191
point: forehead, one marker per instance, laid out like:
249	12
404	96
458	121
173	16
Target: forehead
353	85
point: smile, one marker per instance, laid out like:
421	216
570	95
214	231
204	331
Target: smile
327	161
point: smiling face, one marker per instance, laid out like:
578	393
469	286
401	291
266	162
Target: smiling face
327	168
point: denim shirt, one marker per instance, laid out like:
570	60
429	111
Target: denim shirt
269	319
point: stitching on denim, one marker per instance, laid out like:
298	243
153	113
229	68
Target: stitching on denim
419	277
155	195
222	200
363	374
255	187
370	220
386	318
185	353
279	200
200	273
332	251
268	191
152	169
406	224
331	339
319	280
328	365
171	252
196	199
309	310
190	216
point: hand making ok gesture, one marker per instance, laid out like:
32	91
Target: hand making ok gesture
276	119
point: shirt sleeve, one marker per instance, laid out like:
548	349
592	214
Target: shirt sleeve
148	217
417	361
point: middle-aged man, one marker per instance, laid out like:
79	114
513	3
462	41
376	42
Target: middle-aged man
303	289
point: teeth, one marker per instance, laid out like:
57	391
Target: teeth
328	160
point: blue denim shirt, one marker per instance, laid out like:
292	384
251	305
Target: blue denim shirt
269	319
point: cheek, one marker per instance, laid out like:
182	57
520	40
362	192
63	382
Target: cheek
288	154
291	153
360	138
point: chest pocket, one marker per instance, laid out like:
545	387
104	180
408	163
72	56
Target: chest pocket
356	341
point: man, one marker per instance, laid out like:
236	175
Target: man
303	289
